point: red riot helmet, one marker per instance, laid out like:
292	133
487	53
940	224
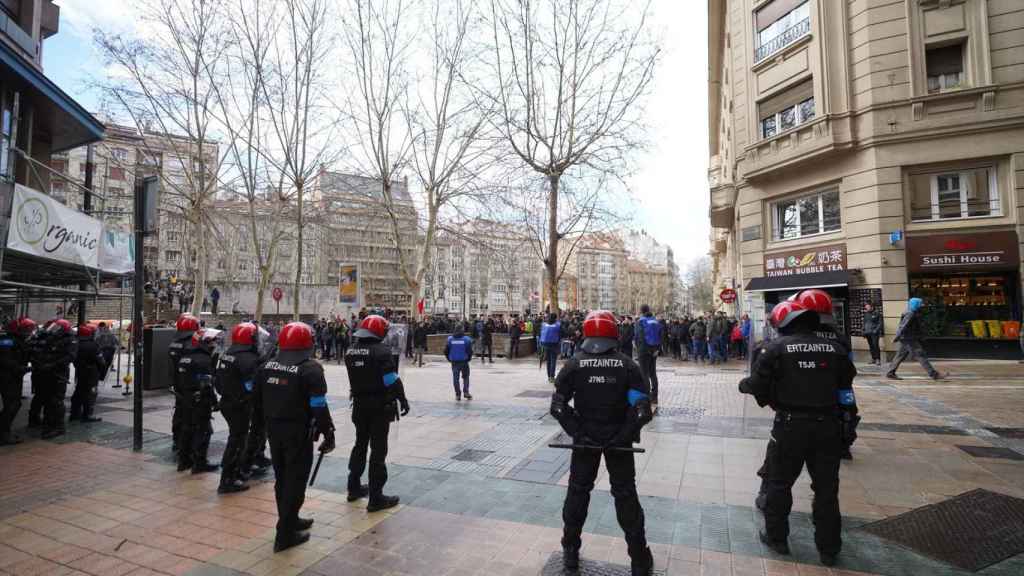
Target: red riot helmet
373	326
295	336
600	324
818	301
86	331
785	312
11	326
59	325
244	334
26	326
187	323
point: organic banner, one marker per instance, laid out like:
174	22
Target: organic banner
45	228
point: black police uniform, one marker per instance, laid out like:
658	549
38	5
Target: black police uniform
375	388
13	366
292	391
89	363
236	375
611	403
808	381
51	362
181	344
196	371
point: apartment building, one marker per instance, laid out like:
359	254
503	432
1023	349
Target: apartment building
601	273
873	149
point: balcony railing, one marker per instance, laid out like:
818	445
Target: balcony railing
788	36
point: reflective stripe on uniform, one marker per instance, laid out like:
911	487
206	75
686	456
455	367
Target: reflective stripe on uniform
390	378
317	401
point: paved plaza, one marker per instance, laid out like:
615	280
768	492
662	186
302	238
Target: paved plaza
482	493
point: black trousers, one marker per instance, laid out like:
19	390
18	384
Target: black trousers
236	414
876	353
649	370
622	477
486	351
201	430
83	400
913	348
818	445
256	443
372	426
52	388
178	418
513	351
36	405
291	450
10	393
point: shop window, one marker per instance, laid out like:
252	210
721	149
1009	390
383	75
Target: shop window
807	215
945	66
779	24
977	306
786	110
955	194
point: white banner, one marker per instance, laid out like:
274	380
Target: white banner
43	227
117	253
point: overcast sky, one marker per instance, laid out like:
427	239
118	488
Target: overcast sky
671	181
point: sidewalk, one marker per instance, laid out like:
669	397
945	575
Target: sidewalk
482	493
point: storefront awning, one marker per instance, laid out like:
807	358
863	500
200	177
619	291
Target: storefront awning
829	279
68	124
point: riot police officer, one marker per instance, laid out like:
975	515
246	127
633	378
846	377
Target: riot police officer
89	363
808	381
375	389
186	325
236	374
195	380
51	362
254	458
293	394
649	338
610	403
14	357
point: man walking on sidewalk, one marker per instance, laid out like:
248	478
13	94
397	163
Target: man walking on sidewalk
909	335
872	330
459	351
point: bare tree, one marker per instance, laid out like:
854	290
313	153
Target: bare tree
162	83
699	284
429	123
295	84
567	79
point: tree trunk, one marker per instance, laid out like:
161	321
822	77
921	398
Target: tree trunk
199	286
298	251
552	264
261	290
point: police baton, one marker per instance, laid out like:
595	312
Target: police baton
319	461
600	448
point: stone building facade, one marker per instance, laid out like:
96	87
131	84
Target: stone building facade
873	149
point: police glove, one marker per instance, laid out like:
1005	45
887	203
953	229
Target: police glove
327	446
404	405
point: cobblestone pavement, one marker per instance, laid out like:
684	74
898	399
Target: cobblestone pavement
482	492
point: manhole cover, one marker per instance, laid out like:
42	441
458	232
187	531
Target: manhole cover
534	394
992	452
971	531
1016	433
472	455
553	567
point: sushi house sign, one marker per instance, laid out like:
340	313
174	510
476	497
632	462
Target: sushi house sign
809	260
963	252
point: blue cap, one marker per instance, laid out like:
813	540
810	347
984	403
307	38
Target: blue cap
915	304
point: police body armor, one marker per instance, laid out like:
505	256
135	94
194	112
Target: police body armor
196	374
829	332
181	345
289	386
366	361
601	382
54	354
236	373
14	355
796	358
88	361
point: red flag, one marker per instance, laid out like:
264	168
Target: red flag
420	305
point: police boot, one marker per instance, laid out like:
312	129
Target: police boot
290	541
183	463
203	467
232	486
827	559
52	433
361	492
262	461
571	558
381	502
777	547
9	439
304	524
643	564
846	455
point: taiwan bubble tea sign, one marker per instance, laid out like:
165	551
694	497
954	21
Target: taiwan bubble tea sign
808	260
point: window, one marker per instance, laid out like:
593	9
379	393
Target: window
805	216
955	194
173	237
945	67
172	256
116	173
119	154
779	24
115	192
787	109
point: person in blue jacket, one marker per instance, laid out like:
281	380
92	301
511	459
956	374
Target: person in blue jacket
649	336
459	351
550	338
